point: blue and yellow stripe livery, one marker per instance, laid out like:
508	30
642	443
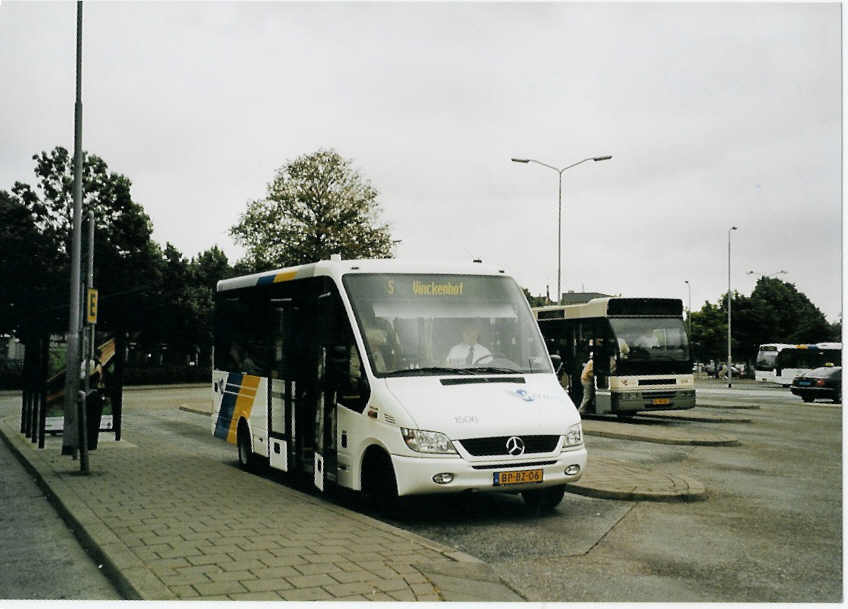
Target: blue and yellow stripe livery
237	402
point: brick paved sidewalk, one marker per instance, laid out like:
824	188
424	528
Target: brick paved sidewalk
170	523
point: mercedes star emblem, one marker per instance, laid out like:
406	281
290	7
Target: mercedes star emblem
515	446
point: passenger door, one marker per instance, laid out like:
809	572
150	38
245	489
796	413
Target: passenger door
603	354
280	388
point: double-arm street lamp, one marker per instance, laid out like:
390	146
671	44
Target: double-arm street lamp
560	171
772	276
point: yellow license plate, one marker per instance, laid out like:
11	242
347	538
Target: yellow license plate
661	402
522	477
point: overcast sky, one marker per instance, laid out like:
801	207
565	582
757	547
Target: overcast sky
715	114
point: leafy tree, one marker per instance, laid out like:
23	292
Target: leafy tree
317	205
709	333
124	255
535	301
787	315
209	267
775	312
29	270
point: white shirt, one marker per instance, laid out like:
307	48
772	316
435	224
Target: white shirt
458	355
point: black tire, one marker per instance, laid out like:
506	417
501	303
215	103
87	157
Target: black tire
625	416
807	397
543	499
379	484
245	450
837	398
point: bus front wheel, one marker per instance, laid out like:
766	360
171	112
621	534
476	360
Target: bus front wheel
379	485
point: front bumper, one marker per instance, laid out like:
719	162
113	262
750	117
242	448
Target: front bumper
679	399
415	474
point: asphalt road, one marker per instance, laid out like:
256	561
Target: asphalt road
769	530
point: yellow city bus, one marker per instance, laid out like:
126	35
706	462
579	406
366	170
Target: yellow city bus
639	348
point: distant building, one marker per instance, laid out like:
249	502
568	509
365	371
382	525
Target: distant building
571	297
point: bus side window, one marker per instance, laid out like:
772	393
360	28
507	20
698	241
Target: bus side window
240	335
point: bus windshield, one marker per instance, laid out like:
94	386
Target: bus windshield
415	325
766	358
651	339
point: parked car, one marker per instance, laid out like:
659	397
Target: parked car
823	382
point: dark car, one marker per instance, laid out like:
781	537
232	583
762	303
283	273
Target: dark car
819	383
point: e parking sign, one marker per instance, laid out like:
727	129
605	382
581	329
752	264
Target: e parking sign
91	306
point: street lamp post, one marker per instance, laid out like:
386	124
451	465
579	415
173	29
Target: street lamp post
73	415
689	314
560	171
729	299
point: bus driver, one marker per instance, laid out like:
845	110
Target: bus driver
469	351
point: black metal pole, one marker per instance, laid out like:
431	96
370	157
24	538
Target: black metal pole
42	410
25	418
35	369
118	391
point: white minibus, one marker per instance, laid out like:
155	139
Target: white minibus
393	378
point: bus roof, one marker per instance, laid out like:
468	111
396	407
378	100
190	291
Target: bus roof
782	346
614	306
336	267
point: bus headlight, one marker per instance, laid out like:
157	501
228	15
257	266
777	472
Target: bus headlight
427	441
574	437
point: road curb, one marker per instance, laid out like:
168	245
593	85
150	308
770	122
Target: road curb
727	406
621	480
686	415
631	431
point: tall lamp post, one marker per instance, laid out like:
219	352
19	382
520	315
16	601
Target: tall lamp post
689	314
560	171
74	416
729	299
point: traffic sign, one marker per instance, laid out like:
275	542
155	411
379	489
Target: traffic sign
91	306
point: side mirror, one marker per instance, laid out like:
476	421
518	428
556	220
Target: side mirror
556	360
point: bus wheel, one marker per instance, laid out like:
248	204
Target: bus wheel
245	450
544	499
379	485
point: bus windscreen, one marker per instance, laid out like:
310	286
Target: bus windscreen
651	339
415	325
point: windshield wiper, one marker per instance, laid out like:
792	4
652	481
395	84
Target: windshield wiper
429	370
492	369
